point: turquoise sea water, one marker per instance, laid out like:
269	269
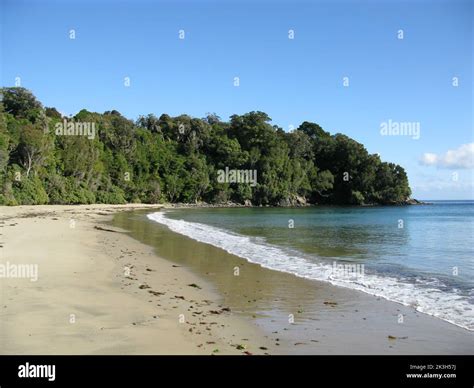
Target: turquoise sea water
421	256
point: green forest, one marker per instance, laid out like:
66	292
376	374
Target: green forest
46	158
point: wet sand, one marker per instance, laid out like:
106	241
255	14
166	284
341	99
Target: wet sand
301	316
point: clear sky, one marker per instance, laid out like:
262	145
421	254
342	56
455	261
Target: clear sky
407	80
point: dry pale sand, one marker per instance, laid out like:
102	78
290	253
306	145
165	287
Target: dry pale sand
85	301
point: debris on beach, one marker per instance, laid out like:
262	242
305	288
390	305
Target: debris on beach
392	337
105	229
222	310
156	293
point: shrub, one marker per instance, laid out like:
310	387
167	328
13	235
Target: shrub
30	191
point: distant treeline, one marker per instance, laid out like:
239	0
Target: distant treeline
107	158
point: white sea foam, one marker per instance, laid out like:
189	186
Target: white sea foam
449	306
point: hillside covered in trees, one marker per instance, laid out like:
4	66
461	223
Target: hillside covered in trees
107	158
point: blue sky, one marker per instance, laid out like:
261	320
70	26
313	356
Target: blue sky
293	80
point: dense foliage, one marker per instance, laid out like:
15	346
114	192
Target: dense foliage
177	159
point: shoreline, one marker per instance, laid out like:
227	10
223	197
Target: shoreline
81	272
204	205
194	230
327	318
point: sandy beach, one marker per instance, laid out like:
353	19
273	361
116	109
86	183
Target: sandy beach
102	292
102	288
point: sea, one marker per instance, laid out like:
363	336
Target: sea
419	255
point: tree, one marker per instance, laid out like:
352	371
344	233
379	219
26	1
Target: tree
34	148
178	159
21	103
